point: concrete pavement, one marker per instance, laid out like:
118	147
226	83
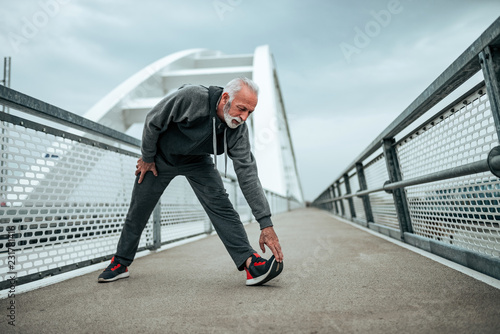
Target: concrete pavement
337	279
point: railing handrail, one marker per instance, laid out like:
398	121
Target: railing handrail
462	69
492	164
25	103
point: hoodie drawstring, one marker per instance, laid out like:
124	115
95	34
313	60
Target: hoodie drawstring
225	153
214	141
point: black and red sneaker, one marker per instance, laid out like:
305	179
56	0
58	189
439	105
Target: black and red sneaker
261	270
113	272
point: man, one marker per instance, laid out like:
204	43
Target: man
179	135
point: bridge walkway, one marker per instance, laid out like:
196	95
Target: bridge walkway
337	279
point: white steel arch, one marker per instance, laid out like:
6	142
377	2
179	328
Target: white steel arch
125	107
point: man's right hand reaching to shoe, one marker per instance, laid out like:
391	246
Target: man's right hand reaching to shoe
269	238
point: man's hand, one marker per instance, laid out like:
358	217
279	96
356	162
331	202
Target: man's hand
268	237
143	168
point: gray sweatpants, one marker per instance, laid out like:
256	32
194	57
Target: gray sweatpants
209	189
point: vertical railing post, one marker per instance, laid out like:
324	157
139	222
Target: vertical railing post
156	226
363	185
6	78
235	204
235	191
331	195
3	138
490	63
342	210
350	200
323	205
399	194
335	203
328	195
288	201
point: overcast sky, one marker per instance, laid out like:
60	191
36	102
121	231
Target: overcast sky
341	88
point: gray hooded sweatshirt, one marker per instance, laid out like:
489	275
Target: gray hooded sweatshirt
184	126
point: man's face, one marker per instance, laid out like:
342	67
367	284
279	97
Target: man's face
237	111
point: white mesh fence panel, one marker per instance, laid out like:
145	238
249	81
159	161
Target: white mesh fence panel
382	203
181	213
343	190
359	209
65	200
464	134
463	211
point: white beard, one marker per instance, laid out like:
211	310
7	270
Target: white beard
229	119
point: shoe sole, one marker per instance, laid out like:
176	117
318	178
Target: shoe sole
117	277
275	270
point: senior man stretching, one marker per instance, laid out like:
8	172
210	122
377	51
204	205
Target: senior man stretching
179	135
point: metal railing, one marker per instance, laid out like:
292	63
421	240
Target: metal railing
65	190
435	184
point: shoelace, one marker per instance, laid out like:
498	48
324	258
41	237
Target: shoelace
257	261
111	266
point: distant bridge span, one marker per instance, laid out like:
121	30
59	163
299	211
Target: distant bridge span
125	108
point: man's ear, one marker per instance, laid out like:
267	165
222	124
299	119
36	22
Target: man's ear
225	97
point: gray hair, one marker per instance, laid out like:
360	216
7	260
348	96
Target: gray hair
235	85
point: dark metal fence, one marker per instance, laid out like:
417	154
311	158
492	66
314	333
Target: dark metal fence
435	183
